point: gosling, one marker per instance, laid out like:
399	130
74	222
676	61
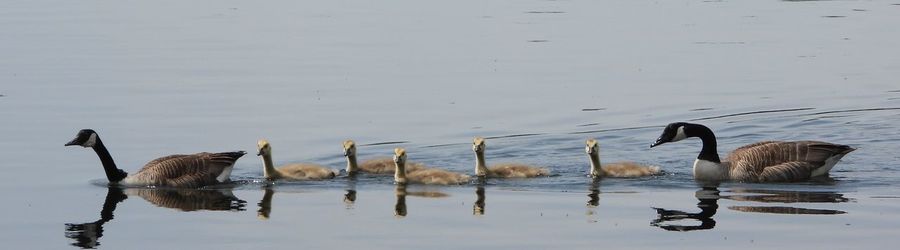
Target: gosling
384	165
506	170
619	169
428	176
295	171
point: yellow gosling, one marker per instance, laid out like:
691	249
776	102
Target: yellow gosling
504	170
429	176
621	169
295	171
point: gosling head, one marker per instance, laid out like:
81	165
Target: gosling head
349	148
672	133
591	147
399	156
264	148
85	138
478	145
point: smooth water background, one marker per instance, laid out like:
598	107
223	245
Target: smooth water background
162	77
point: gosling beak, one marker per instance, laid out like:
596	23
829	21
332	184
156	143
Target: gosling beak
346	152
259	153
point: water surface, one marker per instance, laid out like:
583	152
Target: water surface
535	77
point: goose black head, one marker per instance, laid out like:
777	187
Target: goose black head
672	133
85	138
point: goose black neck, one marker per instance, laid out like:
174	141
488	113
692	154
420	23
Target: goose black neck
113	173
709	151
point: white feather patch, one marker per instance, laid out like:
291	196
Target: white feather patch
225	175
679	135
91	141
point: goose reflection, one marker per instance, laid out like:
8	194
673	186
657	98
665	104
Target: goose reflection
188	200
782	196
709	196
87	235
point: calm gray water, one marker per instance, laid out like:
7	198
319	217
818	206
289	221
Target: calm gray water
536	77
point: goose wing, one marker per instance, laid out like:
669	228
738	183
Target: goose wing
788	171
782	161
195	170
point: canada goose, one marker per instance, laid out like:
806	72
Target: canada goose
383	165
188	171
294	171
429	176
767	161
506	170
619	169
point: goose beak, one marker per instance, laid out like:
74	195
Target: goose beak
73	142
657	143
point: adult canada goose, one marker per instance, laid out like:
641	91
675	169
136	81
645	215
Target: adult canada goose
189	171
619	169
294	171
505	170
767	161
384	165
431	176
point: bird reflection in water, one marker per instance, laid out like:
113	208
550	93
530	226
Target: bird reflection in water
709	196
265	205
400	206
350	196
87	235
593	199
478	208
401	192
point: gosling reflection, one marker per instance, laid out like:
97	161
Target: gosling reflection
708	196
87	235
400	206
594	193
478	208
188	200
401	191
350	195
265	205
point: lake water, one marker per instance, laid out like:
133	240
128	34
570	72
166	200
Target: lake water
536	77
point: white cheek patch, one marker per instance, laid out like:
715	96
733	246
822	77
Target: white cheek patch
91	141
679	135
